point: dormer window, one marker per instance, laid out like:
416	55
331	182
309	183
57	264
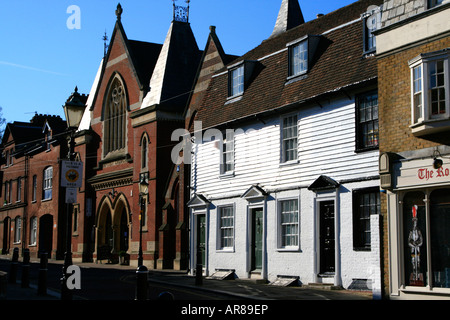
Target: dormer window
236	81
371	23
300	55
434	3
298	58
239	77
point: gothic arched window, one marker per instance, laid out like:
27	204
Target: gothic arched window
114	135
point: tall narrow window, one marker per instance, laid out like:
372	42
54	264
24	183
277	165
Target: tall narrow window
114	118
289	223
144	153
17	229
236	81
19	190
226	226
48	183
289	138
367	118
417	94
33	230
34	188
227	163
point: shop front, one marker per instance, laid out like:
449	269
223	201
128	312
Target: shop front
418	204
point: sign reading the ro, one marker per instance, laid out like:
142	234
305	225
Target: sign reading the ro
73	281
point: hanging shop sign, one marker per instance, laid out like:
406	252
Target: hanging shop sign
71	174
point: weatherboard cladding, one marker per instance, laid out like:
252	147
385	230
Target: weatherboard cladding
338	63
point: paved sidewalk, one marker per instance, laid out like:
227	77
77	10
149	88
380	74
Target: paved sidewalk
235	289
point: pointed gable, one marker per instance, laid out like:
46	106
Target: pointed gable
213	59
175	70
289	16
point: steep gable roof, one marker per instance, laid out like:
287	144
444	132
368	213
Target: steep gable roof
173	76
338	64
289	16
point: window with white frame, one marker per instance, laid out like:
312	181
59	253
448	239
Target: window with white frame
289	138
226	227
430	87
298	58
227	157
289	223
48	183
17	229
236	81
371	23
33	230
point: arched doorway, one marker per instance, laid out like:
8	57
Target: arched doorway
6	235
46	234
113	228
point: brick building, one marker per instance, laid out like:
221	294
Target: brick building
137	101
32	206
414	110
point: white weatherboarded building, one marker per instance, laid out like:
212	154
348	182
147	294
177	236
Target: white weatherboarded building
284	172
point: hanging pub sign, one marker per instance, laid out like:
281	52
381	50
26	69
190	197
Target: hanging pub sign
71	174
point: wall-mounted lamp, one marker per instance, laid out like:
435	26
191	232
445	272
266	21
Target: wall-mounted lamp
437	163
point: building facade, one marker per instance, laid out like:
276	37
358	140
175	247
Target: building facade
413	62
32	206
137	100
284	169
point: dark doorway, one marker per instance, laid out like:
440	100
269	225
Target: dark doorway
327	237
201	238
256	249
46	234
6	235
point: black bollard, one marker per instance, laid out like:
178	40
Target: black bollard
26	269
14	266
142	283
42	281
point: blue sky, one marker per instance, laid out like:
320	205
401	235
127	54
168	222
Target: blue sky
42	59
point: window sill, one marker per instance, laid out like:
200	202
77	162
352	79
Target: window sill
225	250
288	249
233	99
430	127
295	78
289	163
227	175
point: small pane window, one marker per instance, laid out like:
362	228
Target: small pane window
228	152
226	227
298	59
237	81
289	141
367	203
367	135
48	183
289	223
17	229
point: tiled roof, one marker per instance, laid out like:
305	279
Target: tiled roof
338	63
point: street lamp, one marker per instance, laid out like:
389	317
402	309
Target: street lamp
73	109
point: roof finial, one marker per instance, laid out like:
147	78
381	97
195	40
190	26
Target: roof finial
105	45
119	12
181	13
